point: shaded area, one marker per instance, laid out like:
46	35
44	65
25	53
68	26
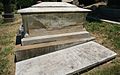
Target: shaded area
107	11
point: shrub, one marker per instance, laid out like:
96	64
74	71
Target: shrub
25	3
1	7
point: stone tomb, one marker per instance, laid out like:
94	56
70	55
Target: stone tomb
50	18
51	26
55	42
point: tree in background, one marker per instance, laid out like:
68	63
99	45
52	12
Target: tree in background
25	3
59	0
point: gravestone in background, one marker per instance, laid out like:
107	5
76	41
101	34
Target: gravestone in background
8	13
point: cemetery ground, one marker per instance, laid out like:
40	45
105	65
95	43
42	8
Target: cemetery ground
106	34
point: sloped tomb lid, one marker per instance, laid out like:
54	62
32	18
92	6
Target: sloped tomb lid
53	4
52	7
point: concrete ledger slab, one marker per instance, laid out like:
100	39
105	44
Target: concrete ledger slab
67	61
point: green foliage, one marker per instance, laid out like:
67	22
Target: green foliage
113	70
13	5
25	3
108	35
110	31
4	64
1	7
7	43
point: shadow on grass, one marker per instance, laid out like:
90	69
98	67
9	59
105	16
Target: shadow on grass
92	18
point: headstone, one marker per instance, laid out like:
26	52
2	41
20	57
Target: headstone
8	13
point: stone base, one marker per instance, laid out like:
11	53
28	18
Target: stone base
8	17
56	37
30	51
9	20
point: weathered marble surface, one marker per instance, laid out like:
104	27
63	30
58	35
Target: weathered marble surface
56	37
52	15
48	7
30	51
53	20
66	61
67	0
32	10
53	4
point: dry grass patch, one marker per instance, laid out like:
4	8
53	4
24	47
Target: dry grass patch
7	43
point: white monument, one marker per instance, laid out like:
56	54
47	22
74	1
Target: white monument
55	41
48	18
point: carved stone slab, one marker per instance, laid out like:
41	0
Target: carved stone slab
66	61
47	7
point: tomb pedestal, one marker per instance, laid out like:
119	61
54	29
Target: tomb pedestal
51	26
8	17
52	18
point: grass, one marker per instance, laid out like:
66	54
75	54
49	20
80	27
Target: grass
7	44
106	34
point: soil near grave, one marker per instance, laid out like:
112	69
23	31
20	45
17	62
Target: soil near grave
8	33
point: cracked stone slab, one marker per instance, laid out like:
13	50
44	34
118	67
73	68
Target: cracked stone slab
67	61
